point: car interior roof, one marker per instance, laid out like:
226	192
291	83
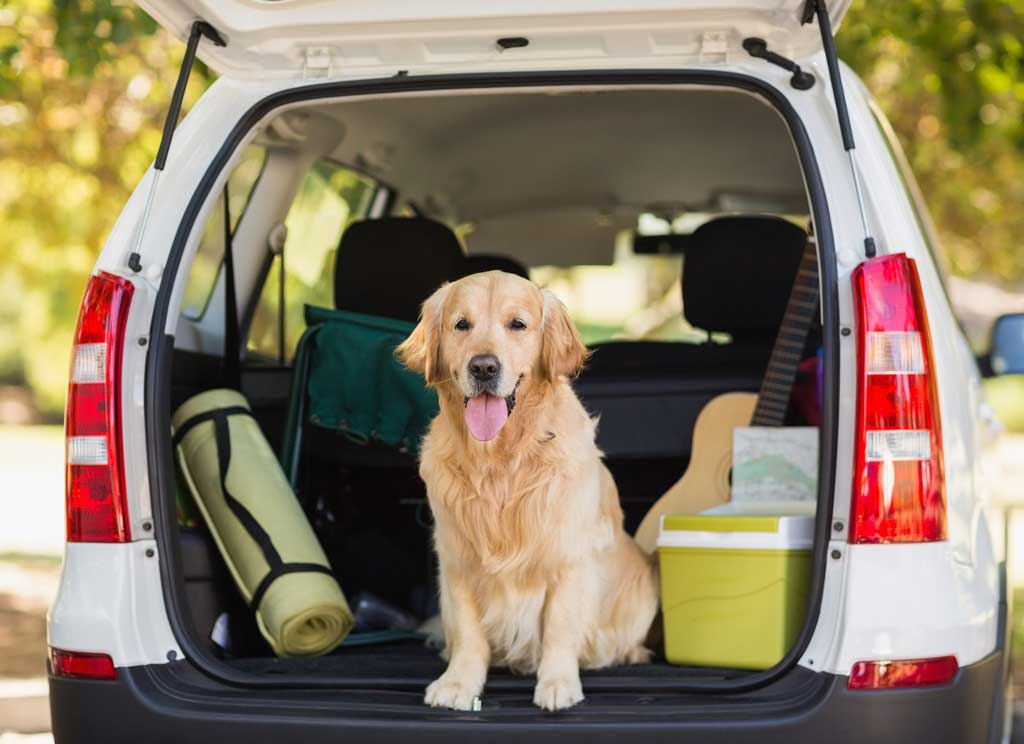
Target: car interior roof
551	177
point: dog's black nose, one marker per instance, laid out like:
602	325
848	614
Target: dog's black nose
484	367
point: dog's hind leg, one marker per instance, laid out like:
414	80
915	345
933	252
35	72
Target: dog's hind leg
638	655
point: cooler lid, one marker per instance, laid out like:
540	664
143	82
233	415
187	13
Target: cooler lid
737	532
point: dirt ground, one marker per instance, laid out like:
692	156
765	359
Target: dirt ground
27	586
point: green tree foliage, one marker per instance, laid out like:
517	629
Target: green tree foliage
83	91
84	88
947	73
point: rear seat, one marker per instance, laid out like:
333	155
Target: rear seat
389	266
479	262
737	273
736	279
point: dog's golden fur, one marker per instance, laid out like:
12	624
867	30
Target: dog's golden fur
536	571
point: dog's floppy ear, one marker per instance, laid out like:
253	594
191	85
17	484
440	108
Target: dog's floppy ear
562	350
421	352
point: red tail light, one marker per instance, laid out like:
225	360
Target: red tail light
81	665
94	462
886	675
898	490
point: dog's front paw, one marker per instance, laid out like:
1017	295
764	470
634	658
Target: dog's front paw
448	692
558	693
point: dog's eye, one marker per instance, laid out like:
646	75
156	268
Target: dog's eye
517	325
461	324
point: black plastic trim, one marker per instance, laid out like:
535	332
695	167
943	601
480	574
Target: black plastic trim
157	387
171	703
176	702
1002	717
801	80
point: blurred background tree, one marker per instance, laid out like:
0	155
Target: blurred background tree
84	88
947	73
83	91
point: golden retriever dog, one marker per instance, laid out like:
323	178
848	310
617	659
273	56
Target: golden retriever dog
536	571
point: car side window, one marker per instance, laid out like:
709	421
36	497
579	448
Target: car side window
330	198
202	275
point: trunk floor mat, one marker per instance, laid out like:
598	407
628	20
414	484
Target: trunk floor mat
412	662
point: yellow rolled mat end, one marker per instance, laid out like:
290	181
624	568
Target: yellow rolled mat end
259	526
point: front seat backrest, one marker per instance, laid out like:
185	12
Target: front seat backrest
389	266
737	275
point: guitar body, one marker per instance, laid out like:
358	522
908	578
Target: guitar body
706	481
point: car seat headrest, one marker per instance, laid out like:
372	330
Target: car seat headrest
389	266
738	272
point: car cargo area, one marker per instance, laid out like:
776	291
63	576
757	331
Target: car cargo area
671	221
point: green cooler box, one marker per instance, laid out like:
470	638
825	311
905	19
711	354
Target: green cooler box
733	588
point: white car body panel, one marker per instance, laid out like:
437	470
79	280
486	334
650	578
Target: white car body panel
879	602
110	601
886	585
301	39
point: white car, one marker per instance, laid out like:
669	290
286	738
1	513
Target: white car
598	147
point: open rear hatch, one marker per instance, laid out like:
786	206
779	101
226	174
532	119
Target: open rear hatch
307	38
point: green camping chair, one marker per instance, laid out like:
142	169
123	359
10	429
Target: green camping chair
346	379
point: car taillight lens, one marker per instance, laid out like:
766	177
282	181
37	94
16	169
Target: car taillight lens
81	665
898	489
887	675
94	463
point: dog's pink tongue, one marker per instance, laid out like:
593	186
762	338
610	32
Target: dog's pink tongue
485	415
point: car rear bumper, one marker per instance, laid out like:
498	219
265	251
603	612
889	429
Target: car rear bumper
165	703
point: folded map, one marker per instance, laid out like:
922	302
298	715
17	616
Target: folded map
772	463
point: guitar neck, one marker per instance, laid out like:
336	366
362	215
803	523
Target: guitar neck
773	398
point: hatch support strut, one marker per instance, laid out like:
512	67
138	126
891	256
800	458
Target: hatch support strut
199	30
817	9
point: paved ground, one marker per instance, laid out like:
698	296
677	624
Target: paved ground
27	587
32	489
31	543
24	708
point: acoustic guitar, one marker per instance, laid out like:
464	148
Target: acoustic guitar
705	483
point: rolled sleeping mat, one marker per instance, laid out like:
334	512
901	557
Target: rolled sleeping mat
258	525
